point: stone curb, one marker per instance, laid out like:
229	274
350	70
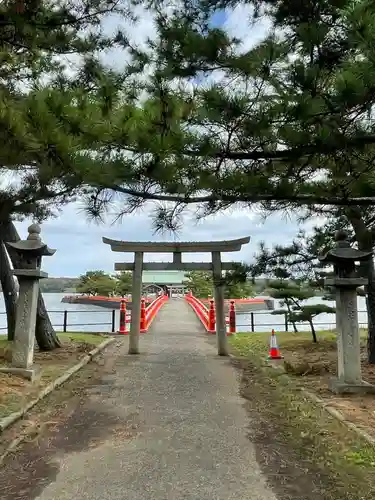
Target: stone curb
13	417
338	416
320	402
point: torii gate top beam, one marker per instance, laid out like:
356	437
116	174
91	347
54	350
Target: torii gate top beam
176	247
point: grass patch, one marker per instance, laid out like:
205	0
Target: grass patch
321	457
15	392
244	343
3	343
90	338
312	365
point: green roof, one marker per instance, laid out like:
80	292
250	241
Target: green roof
163	277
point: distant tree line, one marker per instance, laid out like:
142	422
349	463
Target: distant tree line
66	285
104	284
71	285
58	285
202	285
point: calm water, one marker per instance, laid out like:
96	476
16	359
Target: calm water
83	318
96	319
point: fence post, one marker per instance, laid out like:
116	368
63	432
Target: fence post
143	316
113	321
252	322
211	317
232	318
286	322
122	327
65	321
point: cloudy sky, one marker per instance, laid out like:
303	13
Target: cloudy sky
79	243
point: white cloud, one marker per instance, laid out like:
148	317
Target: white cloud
138	33
239	24
80	248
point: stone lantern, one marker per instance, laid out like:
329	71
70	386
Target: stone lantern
345	280
30	252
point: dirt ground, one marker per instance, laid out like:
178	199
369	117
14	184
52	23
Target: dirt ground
314	365
15	391
305	453
44	417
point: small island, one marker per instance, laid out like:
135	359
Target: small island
105	290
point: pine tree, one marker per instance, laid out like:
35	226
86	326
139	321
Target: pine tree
200	284
97	283
236	286
42	154
124	283
296	275
359	222
292	296
284	123
300	258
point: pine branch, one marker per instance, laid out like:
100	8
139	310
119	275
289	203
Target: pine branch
297	153
303	199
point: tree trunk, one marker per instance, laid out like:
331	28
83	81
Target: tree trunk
290	316
44	332
9	289
365	241
313	332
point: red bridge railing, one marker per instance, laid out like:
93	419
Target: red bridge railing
148	314
207	316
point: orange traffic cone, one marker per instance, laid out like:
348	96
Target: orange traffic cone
274	352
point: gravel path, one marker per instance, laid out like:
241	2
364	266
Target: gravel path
165	425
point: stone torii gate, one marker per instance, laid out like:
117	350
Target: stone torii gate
177	248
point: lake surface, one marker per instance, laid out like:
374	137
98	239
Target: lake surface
87	318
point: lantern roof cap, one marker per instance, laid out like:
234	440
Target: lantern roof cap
33	245
343	252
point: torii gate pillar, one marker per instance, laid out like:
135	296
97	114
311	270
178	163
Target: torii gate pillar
136	304
221	327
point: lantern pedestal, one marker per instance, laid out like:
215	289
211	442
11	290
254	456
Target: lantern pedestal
31	252
345	282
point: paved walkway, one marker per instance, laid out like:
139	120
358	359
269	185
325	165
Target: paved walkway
179	426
